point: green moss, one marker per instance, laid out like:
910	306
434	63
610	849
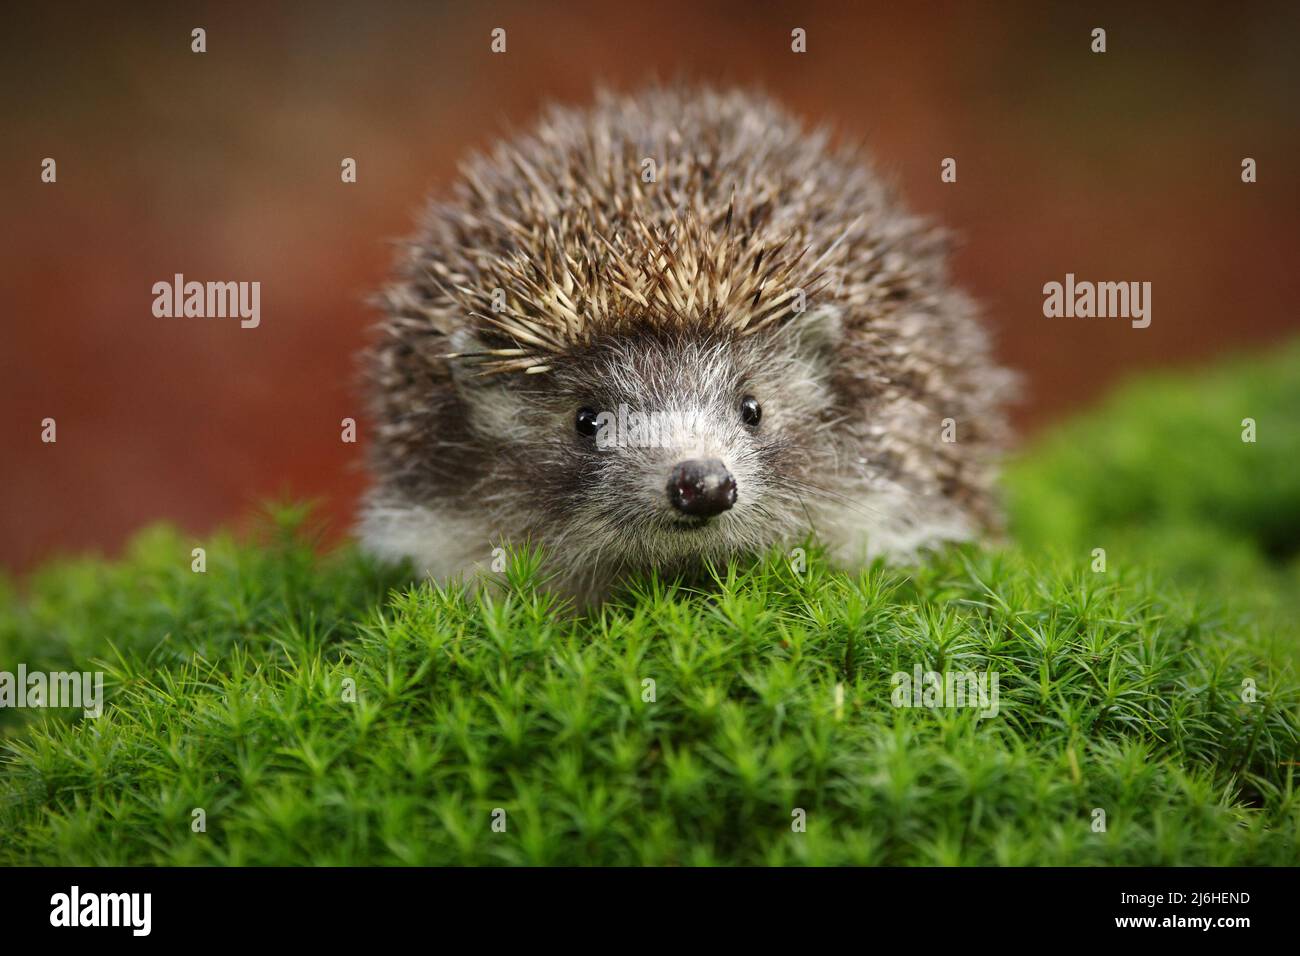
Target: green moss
1159	475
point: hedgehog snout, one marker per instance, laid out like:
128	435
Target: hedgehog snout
701	488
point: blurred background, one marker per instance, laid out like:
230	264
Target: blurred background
225	166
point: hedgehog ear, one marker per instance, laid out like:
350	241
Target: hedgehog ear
818	331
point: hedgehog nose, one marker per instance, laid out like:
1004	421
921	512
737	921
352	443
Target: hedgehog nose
701	487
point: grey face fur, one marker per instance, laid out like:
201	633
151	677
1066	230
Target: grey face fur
603	501
675	300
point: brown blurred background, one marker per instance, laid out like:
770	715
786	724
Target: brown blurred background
225	166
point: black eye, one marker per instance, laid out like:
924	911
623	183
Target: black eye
585	422
751	413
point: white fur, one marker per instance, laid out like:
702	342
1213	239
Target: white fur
888	523
442	546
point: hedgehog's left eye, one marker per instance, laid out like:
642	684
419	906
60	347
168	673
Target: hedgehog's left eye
750	411
585	422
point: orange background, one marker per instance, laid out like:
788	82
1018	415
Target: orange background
225	166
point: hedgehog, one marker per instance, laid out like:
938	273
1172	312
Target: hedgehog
668	330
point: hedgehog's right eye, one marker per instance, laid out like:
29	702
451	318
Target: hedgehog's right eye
585	422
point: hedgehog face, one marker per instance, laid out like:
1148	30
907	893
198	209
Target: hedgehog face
658	451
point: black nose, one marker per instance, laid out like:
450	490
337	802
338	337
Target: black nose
701	487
